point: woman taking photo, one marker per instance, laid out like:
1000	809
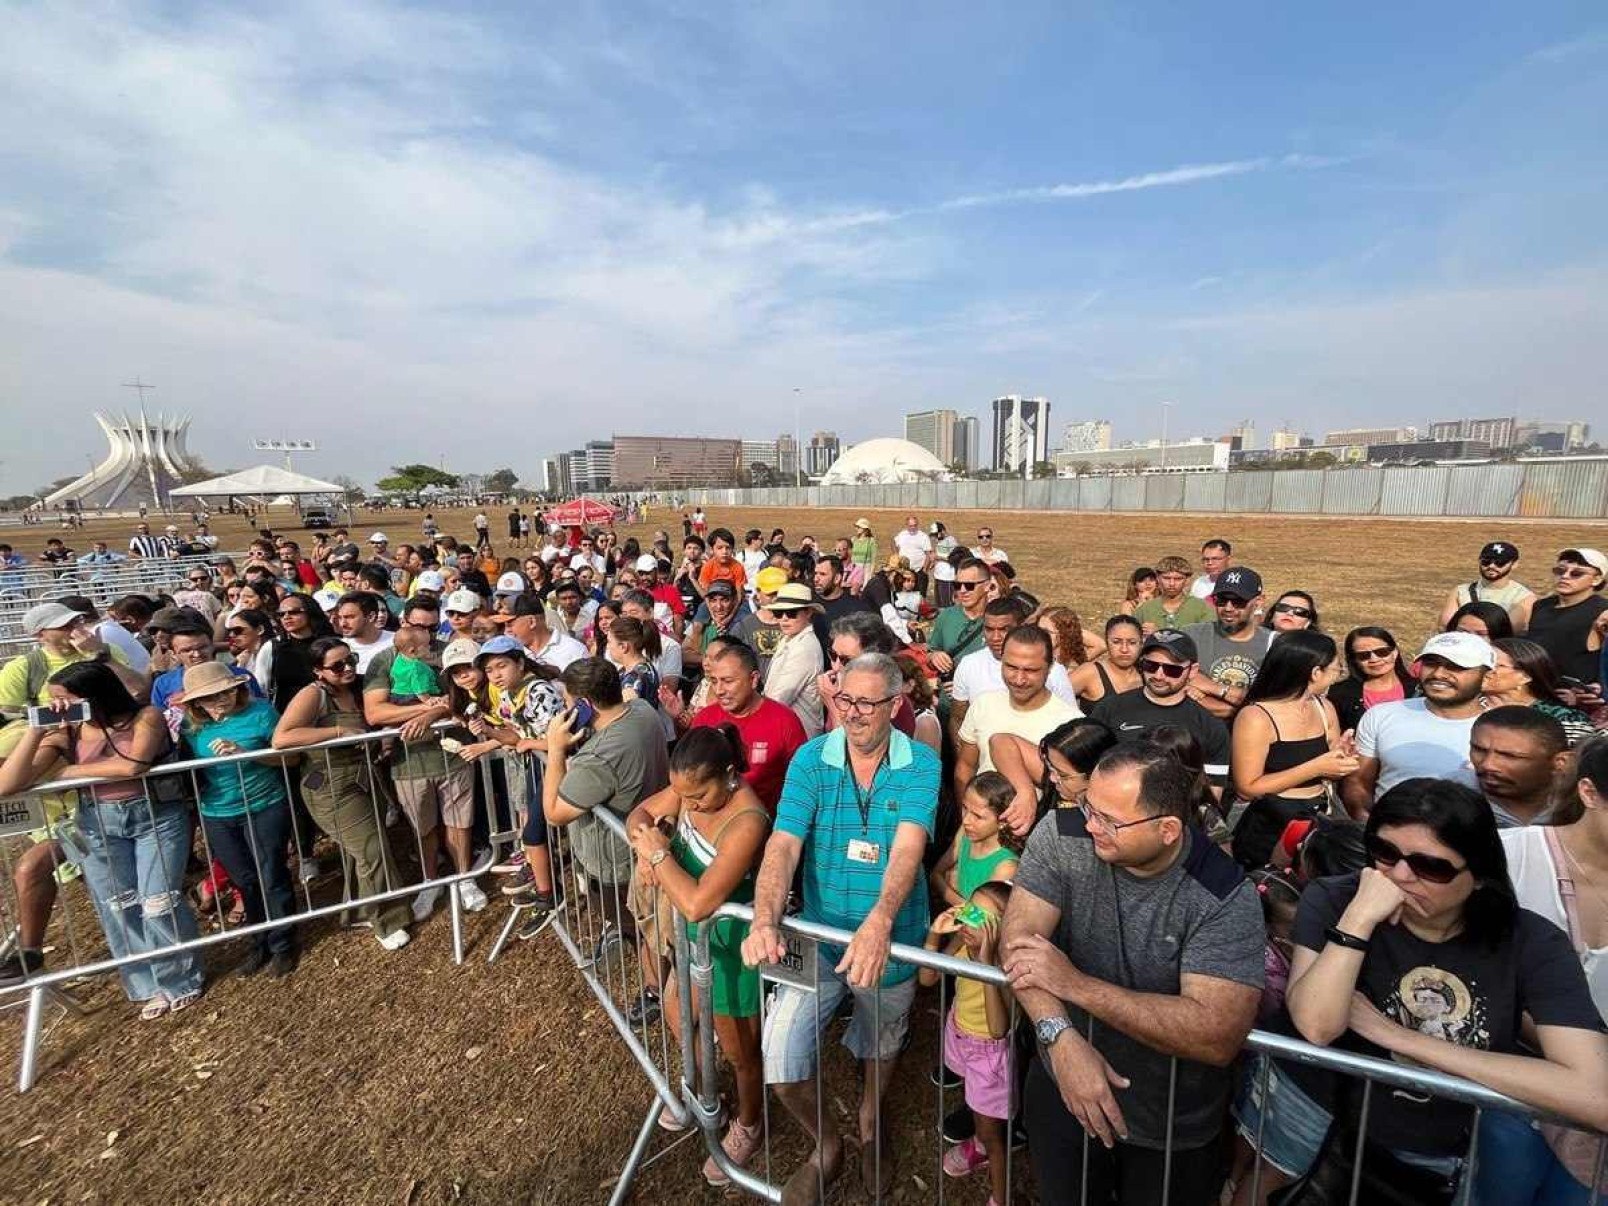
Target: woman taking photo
1292	611
339	785
1288	746
1525	674
717	829
245	808
1376	676
1426	958
1559	870
133	834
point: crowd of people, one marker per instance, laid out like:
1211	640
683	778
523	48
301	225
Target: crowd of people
1202	814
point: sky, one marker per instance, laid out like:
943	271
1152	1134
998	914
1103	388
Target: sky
477	235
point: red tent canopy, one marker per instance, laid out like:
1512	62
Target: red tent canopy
579	512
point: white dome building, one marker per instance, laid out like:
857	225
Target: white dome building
885	461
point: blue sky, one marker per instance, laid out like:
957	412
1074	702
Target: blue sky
485	234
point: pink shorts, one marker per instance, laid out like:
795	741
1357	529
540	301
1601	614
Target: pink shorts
985	1063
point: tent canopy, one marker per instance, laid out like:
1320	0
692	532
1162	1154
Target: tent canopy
579	512
264	479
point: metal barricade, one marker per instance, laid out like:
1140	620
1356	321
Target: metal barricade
696	1087
139	914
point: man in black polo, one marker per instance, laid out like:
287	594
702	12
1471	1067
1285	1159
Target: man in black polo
1232	646
1135	946
835	601
1167	661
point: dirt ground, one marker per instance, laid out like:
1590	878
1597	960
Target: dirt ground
399	1078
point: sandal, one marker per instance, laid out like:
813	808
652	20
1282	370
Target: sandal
154	1008
185	1001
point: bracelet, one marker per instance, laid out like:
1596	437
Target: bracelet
1340	938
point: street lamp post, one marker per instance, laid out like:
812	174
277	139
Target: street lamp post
1165	407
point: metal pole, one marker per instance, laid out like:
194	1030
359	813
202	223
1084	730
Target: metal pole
30	1040
622	1187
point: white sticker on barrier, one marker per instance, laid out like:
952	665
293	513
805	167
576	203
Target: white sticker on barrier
19	815
797	966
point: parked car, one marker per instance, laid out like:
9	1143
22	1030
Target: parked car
318	517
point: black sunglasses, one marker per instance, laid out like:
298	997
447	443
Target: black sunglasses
1149	665
1493	561
1373	655
959	585
1292	609
237	631
346	663
1426	866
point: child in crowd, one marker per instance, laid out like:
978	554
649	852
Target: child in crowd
1279	900
413	674
984	849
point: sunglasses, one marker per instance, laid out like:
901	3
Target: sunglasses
237	631
1492	561
959	585
1373	655
346	663
985	535
1292	609
1236	601
1151	666
1572	571
1426	867
290	611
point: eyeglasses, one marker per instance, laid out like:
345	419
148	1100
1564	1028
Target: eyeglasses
346	663
1572	571
1100	821
1149	665
1373	655
237	631
1426	867
1292	609
860	707
963	585
290	611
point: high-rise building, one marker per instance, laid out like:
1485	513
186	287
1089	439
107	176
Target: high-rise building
1372	435
787	458
1086	435
759	452
1284	440
551	481
824	448
1021	432
1498	433
1550	435
660	461
968	443
933	430
1243	434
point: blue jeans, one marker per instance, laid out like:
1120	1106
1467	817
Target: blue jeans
133	855
251	848
1516	1167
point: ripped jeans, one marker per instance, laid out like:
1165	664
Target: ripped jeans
133	855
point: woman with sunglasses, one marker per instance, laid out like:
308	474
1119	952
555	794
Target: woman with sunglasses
301	621
1569	623
1426	958
340	784
1293	611
1376	675
254	595
251	643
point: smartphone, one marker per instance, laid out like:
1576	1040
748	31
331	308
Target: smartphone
1571	682
49	718
582	714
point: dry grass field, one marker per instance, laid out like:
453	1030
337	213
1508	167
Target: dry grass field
370	1077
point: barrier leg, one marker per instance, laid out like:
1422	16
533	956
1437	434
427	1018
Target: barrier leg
456	907
30	1040
622	1187
502	938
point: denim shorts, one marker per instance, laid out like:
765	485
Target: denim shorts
1295	1125
797	1016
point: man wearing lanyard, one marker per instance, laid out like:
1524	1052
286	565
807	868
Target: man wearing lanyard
857	811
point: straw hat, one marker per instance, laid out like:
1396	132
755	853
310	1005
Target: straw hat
209	678
795	596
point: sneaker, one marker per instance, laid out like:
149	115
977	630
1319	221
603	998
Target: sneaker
470	896
964	1159
425	902
308	869
282	964
540	914
522	879
740	1145
945	1077
511	864
958	1125
396	940
610	939
20	964
482	861
644	1010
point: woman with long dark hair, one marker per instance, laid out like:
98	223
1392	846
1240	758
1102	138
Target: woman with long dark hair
1293	611
1426	958
132	834
1525	674
1060	763
1288	744
1482	619
301	621
1376	675
250	634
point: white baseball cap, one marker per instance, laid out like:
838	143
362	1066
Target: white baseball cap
430	580
464	602
646	562
379	538
1465	649
511	583
461	652
327	598
1592	557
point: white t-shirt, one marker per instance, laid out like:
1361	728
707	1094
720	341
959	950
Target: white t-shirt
912	546
1202	587
993	714
560	651
753	561
365	652
1535	883
942	571
980	672
118	637
597	561
991	556
1411	742
552	552
481	522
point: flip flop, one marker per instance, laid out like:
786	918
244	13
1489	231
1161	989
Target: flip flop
154	1008
184	1002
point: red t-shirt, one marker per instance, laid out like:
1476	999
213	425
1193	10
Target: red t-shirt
670	597
771	735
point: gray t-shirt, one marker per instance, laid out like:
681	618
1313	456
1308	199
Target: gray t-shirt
616	769
1201	916
1226	662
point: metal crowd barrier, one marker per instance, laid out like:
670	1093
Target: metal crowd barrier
684	1073
27	814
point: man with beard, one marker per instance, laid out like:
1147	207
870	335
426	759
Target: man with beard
1520	755
1167	660
1427	737
1232	646
1495	584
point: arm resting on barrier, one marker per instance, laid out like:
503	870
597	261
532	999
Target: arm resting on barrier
380	712
764	941
38	752
150	739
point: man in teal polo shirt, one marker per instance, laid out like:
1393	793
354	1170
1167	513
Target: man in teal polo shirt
857	811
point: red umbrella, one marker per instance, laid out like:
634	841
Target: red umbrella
579	512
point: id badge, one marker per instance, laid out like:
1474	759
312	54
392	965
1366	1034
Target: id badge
862	851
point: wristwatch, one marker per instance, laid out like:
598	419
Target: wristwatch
657	857
1048	1030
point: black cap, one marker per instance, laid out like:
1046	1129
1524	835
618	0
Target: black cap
1501	552
1238	583
721	587
526	605
1180	644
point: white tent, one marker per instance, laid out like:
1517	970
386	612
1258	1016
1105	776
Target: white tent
264	480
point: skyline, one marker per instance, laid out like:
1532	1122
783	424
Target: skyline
661	220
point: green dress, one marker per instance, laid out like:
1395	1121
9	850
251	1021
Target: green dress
734	987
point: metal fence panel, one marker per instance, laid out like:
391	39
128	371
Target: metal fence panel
1205	491
1569	491
966	496
1483	489
1011	494
943	495
926	495
1064	493
1094	493
1351	491
1414	491
1298	491
1128	494
1164	492
988	496
1248	493
1036	495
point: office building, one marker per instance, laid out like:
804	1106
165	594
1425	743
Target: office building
1243	434
787	459
1021	432
933	430
968	443
1498	433
1548	435
1428	450
652	462
1372	435
824	448
759	452
1190	456
1284	440
1086	435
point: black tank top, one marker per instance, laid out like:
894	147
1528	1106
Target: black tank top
1285	755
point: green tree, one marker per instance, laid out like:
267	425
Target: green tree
1321	460
410	479
500	481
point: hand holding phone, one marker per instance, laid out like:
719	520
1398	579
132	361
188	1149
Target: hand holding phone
51	716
